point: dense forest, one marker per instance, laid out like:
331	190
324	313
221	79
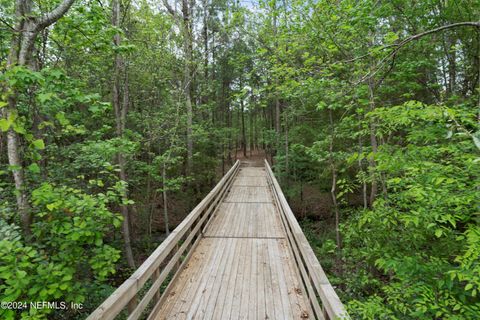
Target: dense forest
117	117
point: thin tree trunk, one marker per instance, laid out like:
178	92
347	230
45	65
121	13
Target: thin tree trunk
277	123
374	145
120	119
244	136
149	198
360	166
236	136
185	24
250	133
165	202
287	169
333	190
230	135
187	43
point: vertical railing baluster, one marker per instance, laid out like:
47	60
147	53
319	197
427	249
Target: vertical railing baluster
132	304
155	276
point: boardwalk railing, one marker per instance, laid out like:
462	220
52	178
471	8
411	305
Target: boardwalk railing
142	289
321	295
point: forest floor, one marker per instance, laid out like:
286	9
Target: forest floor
254	158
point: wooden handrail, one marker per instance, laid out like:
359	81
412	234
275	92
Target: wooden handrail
311	272
180	242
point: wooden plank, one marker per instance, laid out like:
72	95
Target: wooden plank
294	288
246	283
260	216
252	304
194	292
261	311
252	172
187	276
248	194
267	276
215	304
241	222
224	303
240	278
258	220
235	279
208	288
250	216
282	305
253	181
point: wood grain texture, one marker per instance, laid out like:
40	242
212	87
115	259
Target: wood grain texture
249	194
258	220
243	267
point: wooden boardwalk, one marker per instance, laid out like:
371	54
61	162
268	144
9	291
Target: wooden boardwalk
243	267
240	254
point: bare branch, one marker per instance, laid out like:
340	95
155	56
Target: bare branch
7	24
449	26
401	44
52	16
170	9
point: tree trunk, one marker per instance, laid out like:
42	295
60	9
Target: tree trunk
187	76
120	119
250	133
277	123
374	145
287	169
244	135
22	47
333	190
360	167
165	202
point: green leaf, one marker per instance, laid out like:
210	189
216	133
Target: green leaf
19	128
38	144
21	274
62	119
476	138
34	168
4	125
391	37
42	97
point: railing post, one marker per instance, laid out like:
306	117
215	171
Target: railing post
325	313
177	265
155	276
132	304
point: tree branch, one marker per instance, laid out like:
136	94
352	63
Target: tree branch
12	28
449	26
52	16
170	9
401	44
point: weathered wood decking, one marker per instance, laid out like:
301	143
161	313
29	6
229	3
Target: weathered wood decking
243	267
240	254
